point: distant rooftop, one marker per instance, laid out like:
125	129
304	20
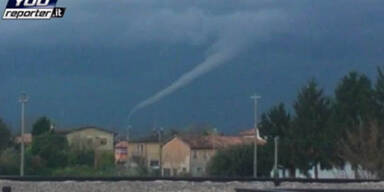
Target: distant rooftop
217	142
247	132
153	138
27	137
66	131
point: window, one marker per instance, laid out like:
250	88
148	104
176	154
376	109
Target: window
167	172
103	141
174	172
206	156
140	148
194	155
89	141
198	169
184	169
154	163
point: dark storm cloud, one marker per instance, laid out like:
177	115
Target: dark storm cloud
133	48
132	22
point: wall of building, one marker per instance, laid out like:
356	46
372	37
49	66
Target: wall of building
91	138
200	159
153	155
148	152
175	158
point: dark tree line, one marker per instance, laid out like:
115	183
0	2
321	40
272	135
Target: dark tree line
325	132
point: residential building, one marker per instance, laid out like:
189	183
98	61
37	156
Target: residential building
145	152
121	152
190	155
27	138
176	157
90	137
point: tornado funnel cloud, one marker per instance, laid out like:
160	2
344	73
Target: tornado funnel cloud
211	62
231	41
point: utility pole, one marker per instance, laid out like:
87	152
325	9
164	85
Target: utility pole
23	99
160	134
255	98
276	154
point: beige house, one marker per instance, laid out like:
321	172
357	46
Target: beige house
27	137
90	138
145	151
191	155
176	157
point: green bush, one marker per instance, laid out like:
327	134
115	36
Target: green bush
238	161
34	164
9	162
52	148
104	160
81	157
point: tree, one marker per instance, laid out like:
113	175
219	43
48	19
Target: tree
354	106
310	126
365	148
277	123
5	136
52	148
379	95
238	161
354	102
41	126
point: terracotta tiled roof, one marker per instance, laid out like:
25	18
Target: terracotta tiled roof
122	144
248	132
217	142
249	135
260	141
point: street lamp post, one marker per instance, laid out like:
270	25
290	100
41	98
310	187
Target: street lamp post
23	99
276	154
255	98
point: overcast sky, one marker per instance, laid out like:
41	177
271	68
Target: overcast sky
93	66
